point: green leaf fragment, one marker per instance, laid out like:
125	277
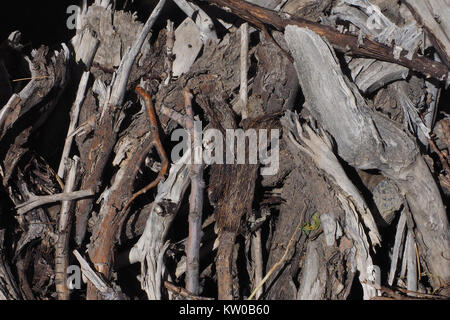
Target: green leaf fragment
313	225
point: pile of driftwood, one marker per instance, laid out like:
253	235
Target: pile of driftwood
97	202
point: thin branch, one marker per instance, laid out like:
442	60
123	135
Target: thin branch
411	262
62	243
120	85
399	235
74	114
195	205
257	259
159	269
243	90
169	50
38	201
105	289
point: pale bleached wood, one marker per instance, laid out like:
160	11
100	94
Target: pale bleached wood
37	201
201	19
366	139
105	289
85	44
314	274
399	236
187	46
163	211
74	114
119	86
370	75
361	251
269	4
320	149
369	19
243	89
434	15
411	262
64	227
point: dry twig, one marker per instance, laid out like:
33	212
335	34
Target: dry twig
195	204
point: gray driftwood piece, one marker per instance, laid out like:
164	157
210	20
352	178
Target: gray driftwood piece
150	245
434	16
368	74
366	139
204	23
371	75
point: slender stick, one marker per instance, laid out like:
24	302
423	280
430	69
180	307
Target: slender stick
169	50
159	269
243	91
411	262
120	85
105	289
35	202
257	260
399	235
62	244
195	206
74	114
